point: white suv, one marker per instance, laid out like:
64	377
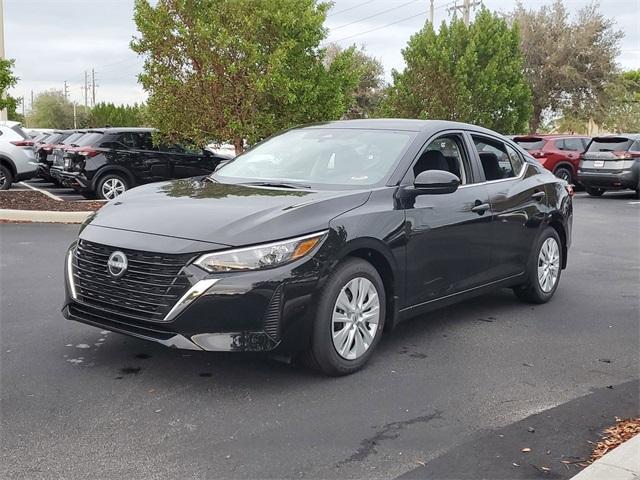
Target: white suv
17	159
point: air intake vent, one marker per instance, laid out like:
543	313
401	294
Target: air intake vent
272	316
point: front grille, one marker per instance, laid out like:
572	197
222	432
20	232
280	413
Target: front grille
152	284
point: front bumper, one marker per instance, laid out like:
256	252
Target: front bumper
611	181
251	311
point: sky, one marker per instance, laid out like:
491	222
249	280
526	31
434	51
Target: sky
53	41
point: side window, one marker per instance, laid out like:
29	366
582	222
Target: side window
573	144
144	141
498	160
635	146
444	153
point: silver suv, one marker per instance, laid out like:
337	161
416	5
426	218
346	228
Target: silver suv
16	155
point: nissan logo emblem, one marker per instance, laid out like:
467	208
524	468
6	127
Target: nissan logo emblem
117	264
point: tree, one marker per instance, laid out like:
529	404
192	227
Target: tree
472	74
371	84
238	69
567	63
51	109
622	105
7	80
117	115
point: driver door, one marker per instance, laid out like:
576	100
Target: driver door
450	235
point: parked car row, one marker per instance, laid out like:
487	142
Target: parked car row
610	162
105	162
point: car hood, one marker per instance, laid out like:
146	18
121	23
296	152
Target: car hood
225	214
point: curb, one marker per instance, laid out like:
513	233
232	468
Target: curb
622	463
42	216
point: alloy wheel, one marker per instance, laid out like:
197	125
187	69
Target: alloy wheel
113	187
3	179
548	264
564	174
355	318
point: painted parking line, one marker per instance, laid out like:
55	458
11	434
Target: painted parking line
44	192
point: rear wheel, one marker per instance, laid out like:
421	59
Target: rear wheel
6	178
595	192
564	173
543	271
349	319
111	185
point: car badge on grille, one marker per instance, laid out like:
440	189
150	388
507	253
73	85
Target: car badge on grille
117	264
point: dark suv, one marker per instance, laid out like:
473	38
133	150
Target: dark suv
113	160
611	162
559	154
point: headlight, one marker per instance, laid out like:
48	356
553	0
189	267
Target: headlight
260	256
87	221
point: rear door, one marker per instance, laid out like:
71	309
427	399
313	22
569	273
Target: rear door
518	204
185	161
144	161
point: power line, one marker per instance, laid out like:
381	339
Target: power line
374	15
380	27
350	8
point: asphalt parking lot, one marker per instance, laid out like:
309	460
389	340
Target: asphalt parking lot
78	402
64	193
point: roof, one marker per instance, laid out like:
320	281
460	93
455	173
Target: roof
123	129
553	136
632	136
413	125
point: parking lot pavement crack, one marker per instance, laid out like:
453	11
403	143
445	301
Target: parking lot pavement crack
390	431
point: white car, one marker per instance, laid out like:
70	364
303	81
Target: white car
17	159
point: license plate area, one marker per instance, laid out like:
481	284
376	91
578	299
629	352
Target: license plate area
598	163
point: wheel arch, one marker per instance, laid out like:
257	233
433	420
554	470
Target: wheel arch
567	164
557	224
379	255
7	162
115	169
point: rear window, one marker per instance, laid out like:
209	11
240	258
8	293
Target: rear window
18	129
610	144
529	143
71	138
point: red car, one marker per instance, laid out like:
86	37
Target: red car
559	154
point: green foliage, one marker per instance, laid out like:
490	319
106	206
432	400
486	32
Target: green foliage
8	80
51	109
234	69
567	63
471	74
370	87
622	105
103	114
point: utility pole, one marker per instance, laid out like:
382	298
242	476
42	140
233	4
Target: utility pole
66	90
3	112
31	96
86	90
431	11
75	123
465	8
93	88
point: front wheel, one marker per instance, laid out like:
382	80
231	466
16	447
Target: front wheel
595	192
6	178
111	185
543	271
349	319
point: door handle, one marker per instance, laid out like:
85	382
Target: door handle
480	208
538	195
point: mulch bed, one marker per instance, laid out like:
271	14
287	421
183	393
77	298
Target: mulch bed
613	436
30	200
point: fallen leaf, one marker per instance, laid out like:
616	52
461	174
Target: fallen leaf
526	450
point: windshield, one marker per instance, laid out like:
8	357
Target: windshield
610	144
325	156
530	143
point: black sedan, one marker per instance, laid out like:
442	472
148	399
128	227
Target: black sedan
318	239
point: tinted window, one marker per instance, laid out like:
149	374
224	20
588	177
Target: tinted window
138	140
326	156
71	138
444	153
572	144
530	143
610	144
89	139
18	129
498	160
636	146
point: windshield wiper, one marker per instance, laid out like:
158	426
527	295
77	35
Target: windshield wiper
277	184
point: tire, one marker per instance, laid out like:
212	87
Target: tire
564	173
323	354
595	192
89	195
539	288
119	182
6	178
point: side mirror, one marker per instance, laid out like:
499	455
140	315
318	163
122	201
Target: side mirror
436	182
